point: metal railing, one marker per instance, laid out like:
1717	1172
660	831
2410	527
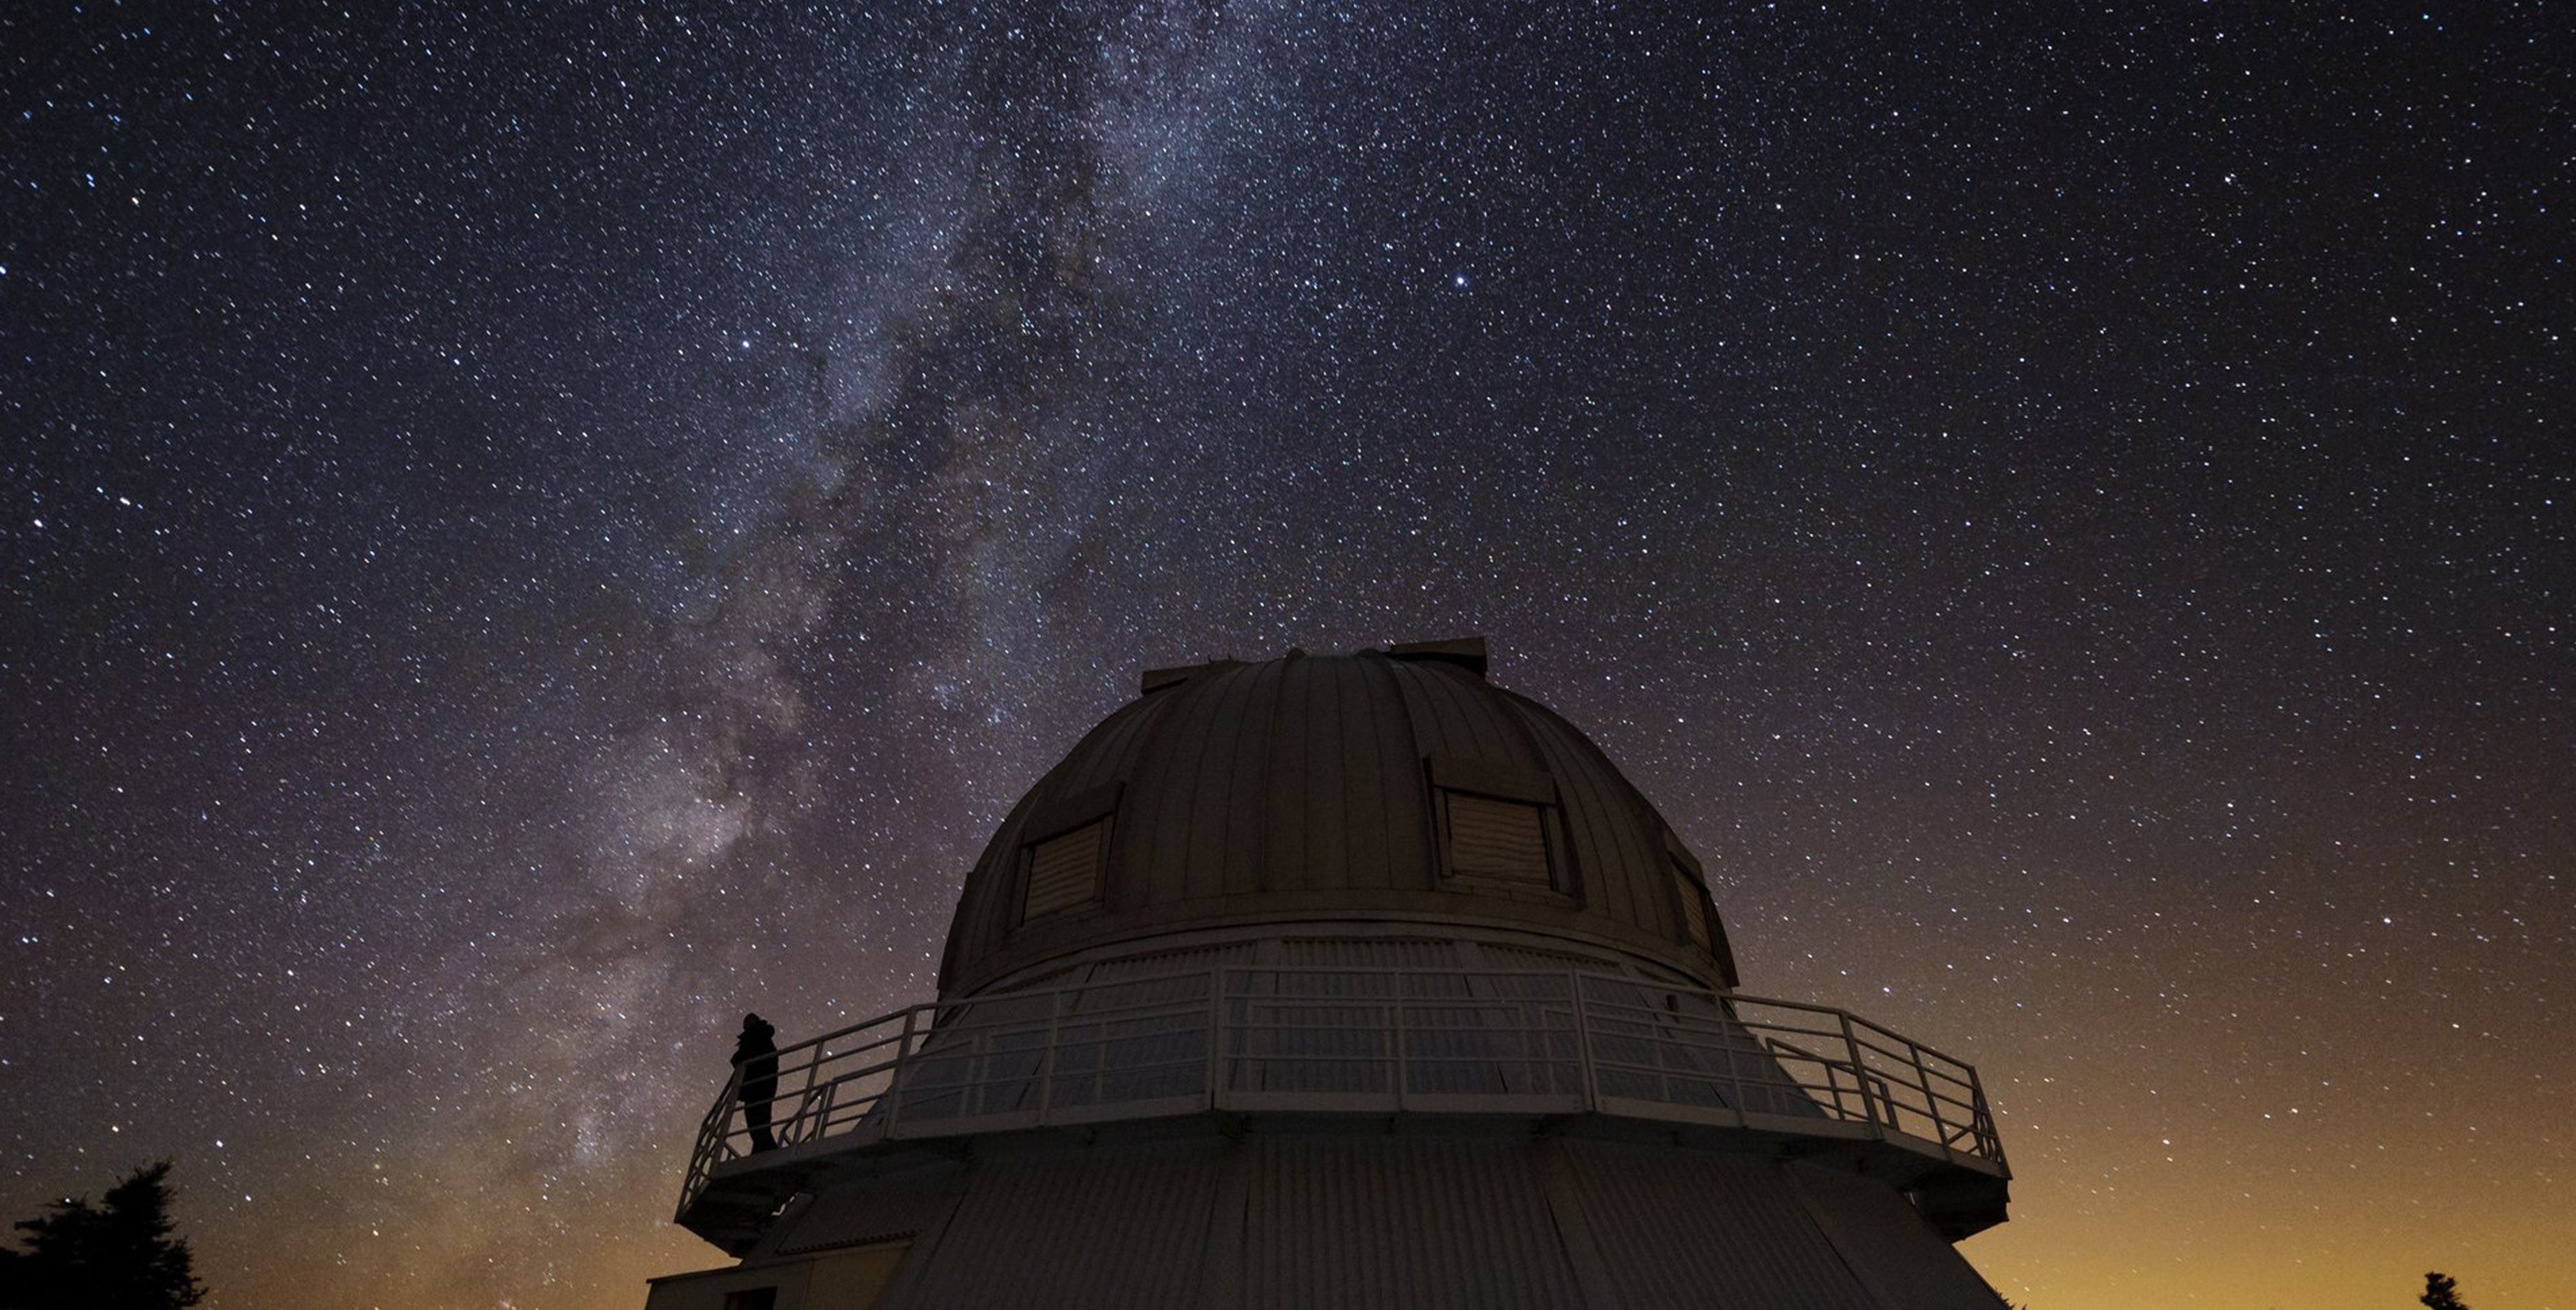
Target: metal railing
1374	1040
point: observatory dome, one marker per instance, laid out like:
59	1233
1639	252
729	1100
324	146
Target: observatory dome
1341	980
1387	788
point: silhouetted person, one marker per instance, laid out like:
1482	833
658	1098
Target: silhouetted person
755	1057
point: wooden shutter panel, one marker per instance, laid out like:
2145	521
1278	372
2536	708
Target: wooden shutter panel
1065	871
1694	900
1504	840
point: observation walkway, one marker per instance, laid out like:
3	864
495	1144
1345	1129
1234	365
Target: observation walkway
1563	1050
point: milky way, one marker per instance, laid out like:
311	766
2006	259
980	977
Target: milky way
532	533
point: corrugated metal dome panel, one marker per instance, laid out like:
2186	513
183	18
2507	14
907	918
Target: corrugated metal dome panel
1118	1228
1105	756
1683	1229
1305	789
1454	712
1342	810
1890	1243
1422	1223
900	1206
1612	828
1252	1218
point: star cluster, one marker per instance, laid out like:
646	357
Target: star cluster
533	529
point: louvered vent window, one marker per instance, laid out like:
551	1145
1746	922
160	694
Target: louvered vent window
1064	872
1694	899
1505	841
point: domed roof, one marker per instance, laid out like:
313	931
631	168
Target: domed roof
1382	787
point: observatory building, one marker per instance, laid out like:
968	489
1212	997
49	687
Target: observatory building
1345	980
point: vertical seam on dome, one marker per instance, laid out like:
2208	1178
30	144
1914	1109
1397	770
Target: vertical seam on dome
1118	766
1253	856
1428	876
1194	697
1328	681
1228	716
1653	821
1516	714
1270	765
984	926
1123	836
1578	884
1462	694
1452	707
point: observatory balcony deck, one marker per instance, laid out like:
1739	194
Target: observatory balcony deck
1594	1049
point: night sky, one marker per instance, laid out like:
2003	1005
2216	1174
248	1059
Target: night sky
531	532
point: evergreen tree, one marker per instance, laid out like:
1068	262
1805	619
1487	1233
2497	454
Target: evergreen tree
115	1256
2441	1292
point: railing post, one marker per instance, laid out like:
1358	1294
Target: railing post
1216	1036
894	1076
724	1116
1931	1102
1750	1053
1729	1023
1400	1063
1988	1145
1583	1043
1046	1056
1860	1077
805	1094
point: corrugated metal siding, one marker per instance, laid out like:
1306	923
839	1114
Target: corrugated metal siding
854	1279
1160	963
1107	1228
1369	953
1373	1220
1395	1222
1890	1243
1529	957
1680	1229
875	1209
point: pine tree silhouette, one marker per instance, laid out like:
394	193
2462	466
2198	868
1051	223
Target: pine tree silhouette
115	1256
2441	1292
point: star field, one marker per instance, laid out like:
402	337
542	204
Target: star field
531	532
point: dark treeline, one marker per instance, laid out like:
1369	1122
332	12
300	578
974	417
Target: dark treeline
117	1255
